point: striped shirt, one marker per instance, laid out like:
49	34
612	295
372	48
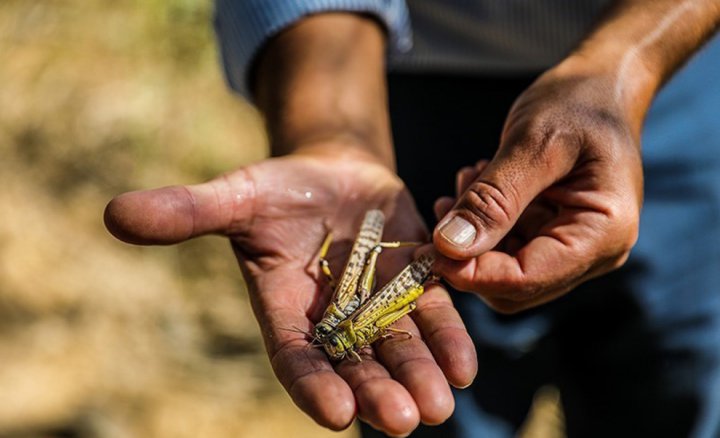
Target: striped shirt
492	36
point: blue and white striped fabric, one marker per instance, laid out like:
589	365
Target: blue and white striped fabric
481	36
243	26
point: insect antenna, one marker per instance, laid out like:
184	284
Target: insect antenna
294	329
313	344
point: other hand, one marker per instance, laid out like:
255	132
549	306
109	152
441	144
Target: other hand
557	205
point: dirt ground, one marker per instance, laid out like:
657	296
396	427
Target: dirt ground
99	338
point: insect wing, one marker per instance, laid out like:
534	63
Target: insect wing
402	290
367	238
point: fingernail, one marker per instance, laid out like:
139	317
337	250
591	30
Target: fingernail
458	231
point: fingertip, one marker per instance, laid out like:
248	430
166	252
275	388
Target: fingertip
426	382
442	409
326	399
447	337
427	248
455	353
113	217
447	267
481	165
461	364
460	274
148	217
388	407
438	406
122	218
463	177
454	236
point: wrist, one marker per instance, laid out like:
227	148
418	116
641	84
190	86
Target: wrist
337	148
322	82
625	83
342	139
640	43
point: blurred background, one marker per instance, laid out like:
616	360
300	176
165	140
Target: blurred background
99	338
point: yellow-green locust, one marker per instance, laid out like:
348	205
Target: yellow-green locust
347	295
373	319
354	319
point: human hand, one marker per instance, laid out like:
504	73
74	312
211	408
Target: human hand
557	205
275	213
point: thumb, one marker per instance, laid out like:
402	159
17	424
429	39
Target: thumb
491	204
174	214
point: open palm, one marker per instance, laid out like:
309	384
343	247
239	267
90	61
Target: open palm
276	214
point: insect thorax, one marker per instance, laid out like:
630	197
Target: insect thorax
333	316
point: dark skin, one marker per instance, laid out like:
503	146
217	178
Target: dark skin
275	234
560	201
557	205
333	162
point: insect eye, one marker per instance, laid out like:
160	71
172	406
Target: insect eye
322	329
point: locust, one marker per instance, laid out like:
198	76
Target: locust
357	280
354	319
373	319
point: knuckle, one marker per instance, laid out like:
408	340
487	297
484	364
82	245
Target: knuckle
528	290
509	288
461	282
625	227
620	261
510	291
488	204
502	306
632	234
629	242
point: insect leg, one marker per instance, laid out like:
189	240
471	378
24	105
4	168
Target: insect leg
391	317
355	357
367	280
381	325
324	264
398	244
390	332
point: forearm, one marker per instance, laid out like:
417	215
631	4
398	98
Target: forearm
640	43
323	81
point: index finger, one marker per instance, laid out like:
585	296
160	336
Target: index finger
571	249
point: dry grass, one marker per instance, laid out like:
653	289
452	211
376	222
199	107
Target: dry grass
98	338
